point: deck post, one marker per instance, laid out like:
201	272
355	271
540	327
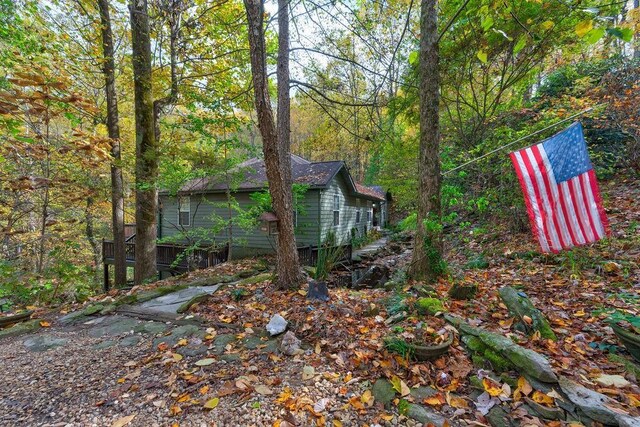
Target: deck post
106	277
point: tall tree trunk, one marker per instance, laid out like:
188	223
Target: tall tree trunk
275	140
427	251
146	144
91	237
636	37
117	184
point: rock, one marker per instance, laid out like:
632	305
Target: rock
43	343
130	341
290	344
616	381
526	361
519	305
276	325
21	328
424	415
429	306
383	391
595	405
93	309
318	291
420	393
463	291
377	275
548	413
221	342
498	417
71	317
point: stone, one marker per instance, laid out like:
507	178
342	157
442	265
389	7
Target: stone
130	341
43	343
318	291
152	328
549	413
498	417
524	360
463	291
276	325
93	309
383	391
221	342
615	381
591	403
251	342
179	299
290	344
105	344
521	306
114	325
71	317
21	328
376	276
424	415
429	306
421	393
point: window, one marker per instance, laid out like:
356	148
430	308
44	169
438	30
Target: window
184	211
369	215
358	216
336	210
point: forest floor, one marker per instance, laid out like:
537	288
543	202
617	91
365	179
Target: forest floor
227	370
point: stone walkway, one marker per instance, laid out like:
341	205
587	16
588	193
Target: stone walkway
370	249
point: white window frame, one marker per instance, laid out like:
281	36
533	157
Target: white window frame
369	215
336	209
358	216
184	206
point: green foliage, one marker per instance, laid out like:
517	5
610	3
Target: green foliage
399	346
329	254
479	262
410	223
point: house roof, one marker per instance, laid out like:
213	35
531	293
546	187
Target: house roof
317	175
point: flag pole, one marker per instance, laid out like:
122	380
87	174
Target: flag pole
518	140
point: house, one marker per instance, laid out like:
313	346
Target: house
332	203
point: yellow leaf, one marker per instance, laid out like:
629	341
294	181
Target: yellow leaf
182	342
318	349
337	423
302	292
583	27
458	402
121	422
546	25
184	397
482	56
175	410
177	357
400	386
524	386
211	403
491	387
367	398
540	397
45	324
121	380
204	389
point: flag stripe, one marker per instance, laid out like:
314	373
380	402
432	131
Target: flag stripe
544	201
602	225
557	208
527	188
580	205
592	213
573	222
537	203
552	223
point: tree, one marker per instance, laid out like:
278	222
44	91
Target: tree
117	184
146	144
427	251
275	138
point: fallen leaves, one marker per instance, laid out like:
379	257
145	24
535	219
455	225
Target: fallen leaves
205	362
211	403
400	386
121	422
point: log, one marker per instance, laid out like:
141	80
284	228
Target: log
16	318
520	305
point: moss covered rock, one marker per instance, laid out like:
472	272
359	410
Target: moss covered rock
429	306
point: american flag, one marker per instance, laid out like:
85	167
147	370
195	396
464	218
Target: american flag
560	191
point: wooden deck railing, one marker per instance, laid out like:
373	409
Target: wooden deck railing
172	257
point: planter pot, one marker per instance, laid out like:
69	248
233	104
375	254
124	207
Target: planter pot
431	352
630	340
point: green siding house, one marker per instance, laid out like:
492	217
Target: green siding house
333	202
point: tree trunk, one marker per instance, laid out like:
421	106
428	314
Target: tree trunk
636	37
275	140
91	237
117	184
146	144
427	252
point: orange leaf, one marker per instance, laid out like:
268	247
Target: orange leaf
491	387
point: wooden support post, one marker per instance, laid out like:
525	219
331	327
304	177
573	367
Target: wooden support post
106	277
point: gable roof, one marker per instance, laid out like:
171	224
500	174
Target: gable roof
317	175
